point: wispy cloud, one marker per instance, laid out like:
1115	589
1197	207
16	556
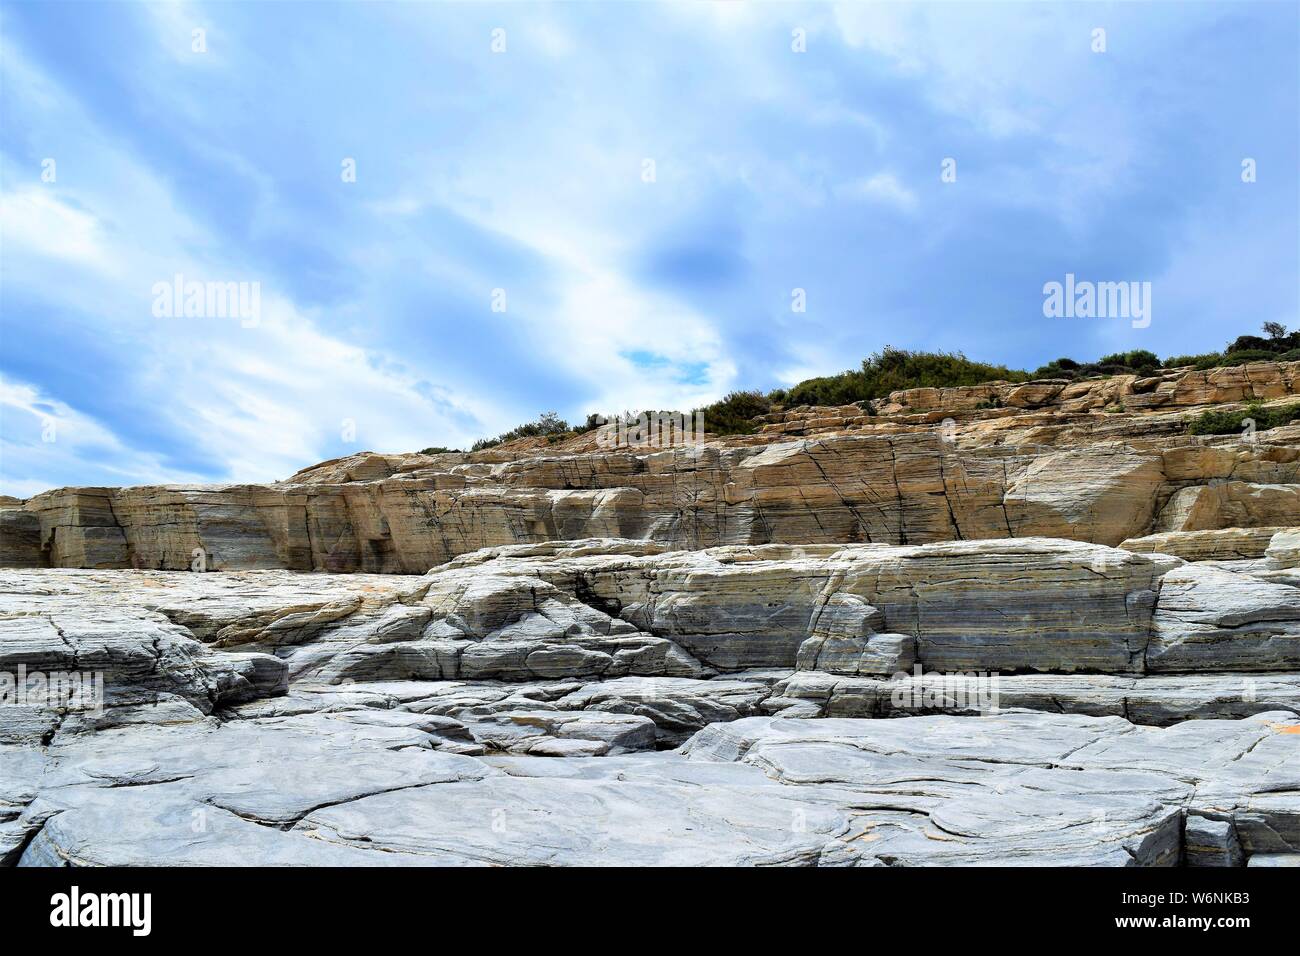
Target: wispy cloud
882	188
644	186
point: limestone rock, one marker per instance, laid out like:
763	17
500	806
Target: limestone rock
873	654
1020	788
1210	618
1156	700
1228	544
20	539
1210	843
1048	461
1284	549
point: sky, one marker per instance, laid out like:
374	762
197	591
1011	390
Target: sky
453	217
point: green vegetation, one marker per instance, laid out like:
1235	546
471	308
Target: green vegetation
892	369
1243	356
546	424
1275	345
734	415
1231	423
1203	361
1137	362
438	450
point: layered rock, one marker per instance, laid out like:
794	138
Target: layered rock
623	627
514	706
1055	460
610	608
1032	623
1166	390
1034	788
1156	700
938	790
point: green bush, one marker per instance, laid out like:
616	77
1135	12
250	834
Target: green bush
1245	356
843	389
547	423
594	420
1180	361
1137	359
734	414
1277	340
439	450
1230	423
1060	368
1247	343
891	370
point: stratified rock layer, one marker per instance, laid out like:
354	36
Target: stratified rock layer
1028	624
1102	461
939	790
1053	702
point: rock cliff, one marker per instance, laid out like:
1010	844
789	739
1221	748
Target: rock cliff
1004	624
1099	461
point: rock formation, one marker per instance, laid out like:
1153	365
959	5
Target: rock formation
1053	460
1001	624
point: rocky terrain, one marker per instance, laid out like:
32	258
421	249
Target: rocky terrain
1036	623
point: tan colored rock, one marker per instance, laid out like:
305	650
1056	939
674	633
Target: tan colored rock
1227	544
903	488
1284	549
1230	504
1104	460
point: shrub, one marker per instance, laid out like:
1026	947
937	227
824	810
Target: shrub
842	389
1230	423
439	450
1246	348
1248	355
734	414
594	420
1279	340
891	370
1243	343
547	423
1137	359
1180	361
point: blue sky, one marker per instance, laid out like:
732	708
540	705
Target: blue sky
524	170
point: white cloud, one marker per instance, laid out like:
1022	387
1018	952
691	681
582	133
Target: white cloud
882	188
270	399
40	434
264	401
33	221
